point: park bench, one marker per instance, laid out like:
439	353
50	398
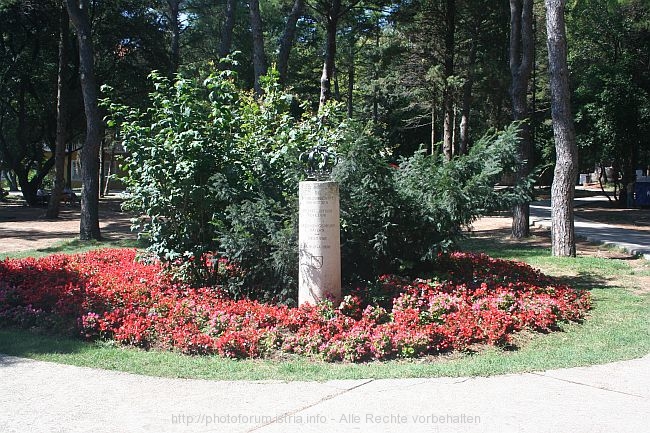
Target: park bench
68	198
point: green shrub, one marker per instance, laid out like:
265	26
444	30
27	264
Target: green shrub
374	216
214	171
396	218
454	194
261	236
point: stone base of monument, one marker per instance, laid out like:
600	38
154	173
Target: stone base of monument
319	242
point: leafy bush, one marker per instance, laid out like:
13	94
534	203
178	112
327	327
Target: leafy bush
375	218
214	172
396	218
261	237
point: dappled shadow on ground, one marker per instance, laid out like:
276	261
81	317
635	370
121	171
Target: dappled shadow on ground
115	229
501	242
18	211
25	344
585	281
636	219
25	228
498	243
592	190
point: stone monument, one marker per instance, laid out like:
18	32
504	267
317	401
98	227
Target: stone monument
319	242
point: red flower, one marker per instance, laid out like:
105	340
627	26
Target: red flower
109	294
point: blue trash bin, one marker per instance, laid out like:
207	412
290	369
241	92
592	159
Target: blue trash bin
642	194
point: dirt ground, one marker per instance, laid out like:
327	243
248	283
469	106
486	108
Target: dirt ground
25	228
500	228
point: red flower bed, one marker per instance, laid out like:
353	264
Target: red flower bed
108	294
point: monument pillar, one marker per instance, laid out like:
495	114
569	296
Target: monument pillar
319	242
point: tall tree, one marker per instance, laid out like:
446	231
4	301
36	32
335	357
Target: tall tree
566	164
466	105
287	39
259	55
27	79
331	12
331	18
521	66
228	26
611	80
175	30
418	41
89	225
61	116
448	95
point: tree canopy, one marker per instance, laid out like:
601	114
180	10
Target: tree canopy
432	74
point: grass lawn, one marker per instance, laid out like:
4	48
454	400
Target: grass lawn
74	246
617	329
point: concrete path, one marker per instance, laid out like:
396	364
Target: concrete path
46	397
633	241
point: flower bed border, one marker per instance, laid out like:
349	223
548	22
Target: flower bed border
473	299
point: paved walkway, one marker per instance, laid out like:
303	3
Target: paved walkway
633	241
46	397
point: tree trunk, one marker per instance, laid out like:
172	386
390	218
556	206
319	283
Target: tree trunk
175	29
110	171
26	187
331	24
563	187
102	163
521	66
287	39
89	225
434	150
351	79
68	168
19	160
455	134
226	32
448	97
337	90
61	117
375	77
467	102
13	181
259	57
29	186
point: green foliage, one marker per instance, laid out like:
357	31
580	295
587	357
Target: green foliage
397	218
214	173
456	193
371	210
183	166
27	126
214	170
261	237
608	61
